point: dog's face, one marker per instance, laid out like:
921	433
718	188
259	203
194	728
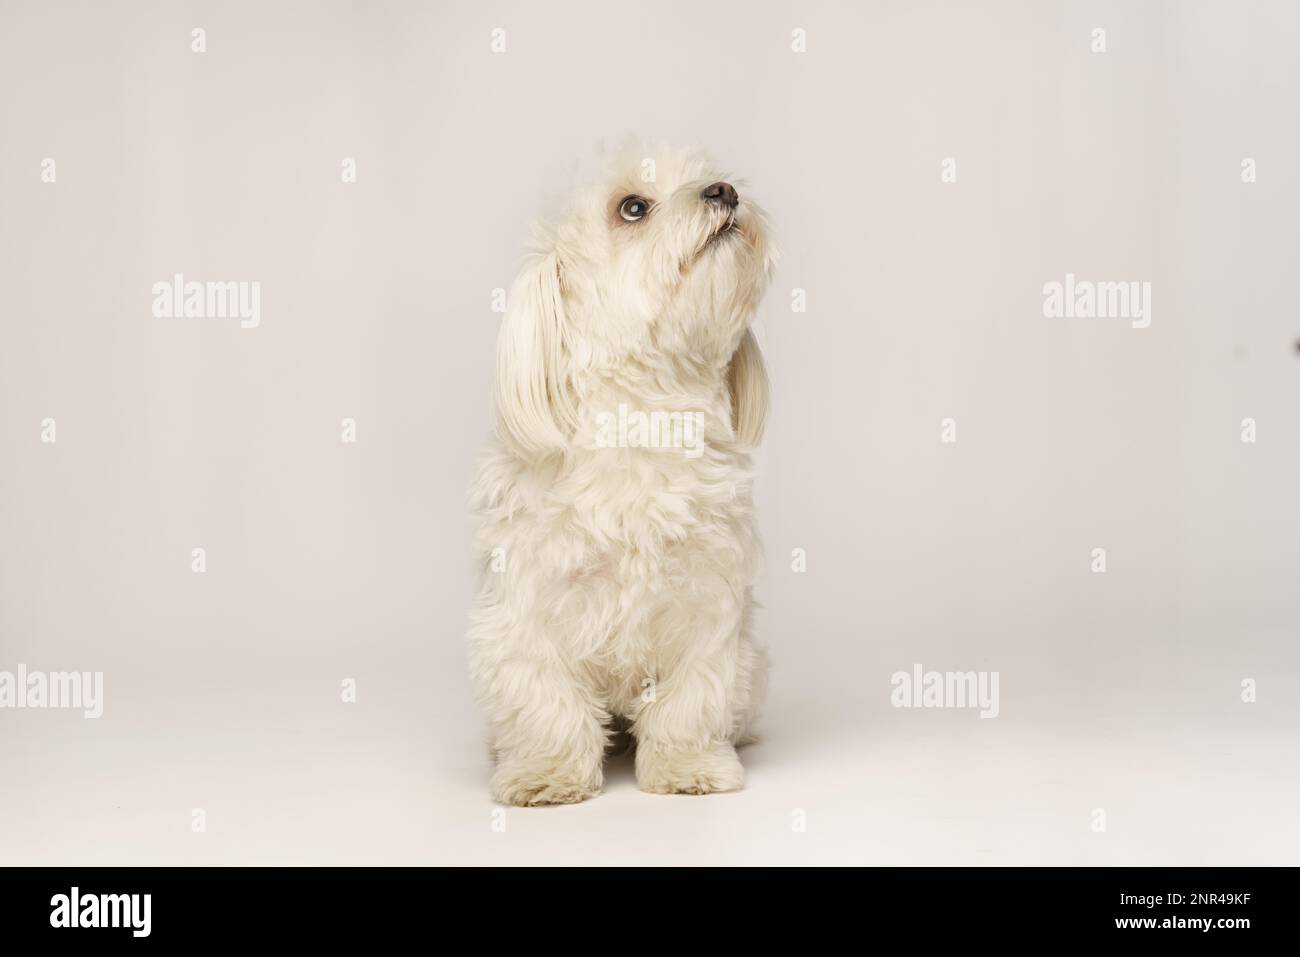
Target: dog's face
653	273
662	257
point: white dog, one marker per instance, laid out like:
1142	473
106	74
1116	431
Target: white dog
617	535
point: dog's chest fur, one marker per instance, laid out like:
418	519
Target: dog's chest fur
626	550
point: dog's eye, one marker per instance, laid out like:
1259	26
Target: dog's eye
633	208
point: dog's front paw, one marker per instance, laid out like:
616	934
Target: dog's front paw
689	772
529	784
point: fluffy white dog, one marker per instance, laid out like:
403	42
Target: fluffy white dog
617	534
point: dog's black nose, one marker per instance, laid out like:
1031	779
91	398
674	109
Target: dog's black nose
721	194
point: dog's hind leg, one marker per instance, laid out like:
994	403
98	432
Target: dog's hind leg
620	736
750	692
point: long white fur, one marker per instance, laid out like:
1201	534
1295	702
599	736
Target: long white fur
616	582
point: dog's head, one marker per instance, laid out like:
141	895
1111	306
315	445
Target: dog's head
654	273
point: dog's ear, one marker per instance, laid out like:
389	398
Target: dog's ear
747	380
534	407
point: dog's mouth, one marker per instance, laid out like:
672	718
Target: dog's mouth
721	234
